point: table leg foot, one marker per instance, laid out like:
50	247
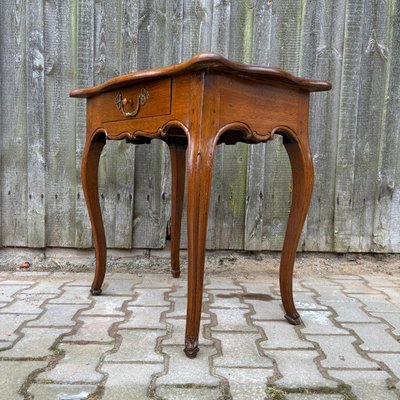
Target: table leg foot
176	274
191	348
296	320
96	292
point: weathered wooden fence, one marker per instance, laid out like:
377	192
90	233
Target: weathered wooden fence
48	47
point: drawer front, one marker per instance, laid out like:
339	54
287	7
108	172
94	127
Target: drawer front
139	101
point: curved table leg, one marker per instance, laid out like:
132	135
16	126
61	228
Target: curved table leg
178	169
199	170
303	178
90	164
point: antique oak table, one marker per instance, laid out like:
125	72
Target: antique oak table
193	107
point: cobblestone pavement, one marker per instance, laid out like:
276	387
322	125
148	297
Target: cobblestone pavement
59	342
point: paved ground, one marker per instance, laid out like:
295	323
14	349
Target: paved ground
58	342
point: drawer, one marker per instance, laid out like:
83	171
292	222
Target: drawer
138	101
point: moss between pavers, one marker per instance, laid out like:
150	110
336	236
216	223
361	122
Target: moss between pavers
276	393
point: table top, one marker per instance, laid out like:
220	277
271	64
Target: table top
205	61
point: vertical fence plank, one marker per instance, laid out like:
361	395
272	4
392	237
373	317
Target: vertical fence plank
13	129
219	44
35	125
148	224
347	132
322	53
107	65
196	33
60	117
256	169
124	162
373	83
84	78
285	53
386	233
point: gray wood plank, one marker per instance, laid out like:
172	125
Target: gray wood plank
285	53
347	132
125	156
59	19
386	232
369	122
108	24
322	53
84	78
148	224
13	129
219	44
35	125
256	170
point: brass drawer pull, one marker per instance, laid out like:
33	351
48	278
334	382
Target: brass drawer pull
121	102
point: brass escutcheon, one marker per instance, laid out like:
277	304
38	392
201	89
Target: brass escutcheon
120	102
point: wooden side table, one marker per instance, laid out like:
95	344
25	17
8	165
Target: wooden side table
193	107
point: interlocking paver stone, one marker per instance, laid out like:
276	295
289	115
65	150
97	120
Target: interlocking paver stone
20	370
9	323
35	342
376	303
288	362
267	310
392	319
319	322
379	280
57	315
73	295
162	281
281	335
348	310
178	333
305	301
27	304
393	293
94	329
45	287
358	286
106	305
390	359
226	299
150	297
17	282
120	287
232	320
179	308
297	396
240	350
78	365
366	385
180	372
170	392
128	381
52	391
375	337
258	287
145	318
138	345
7	292
246	383
340	352
221	284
